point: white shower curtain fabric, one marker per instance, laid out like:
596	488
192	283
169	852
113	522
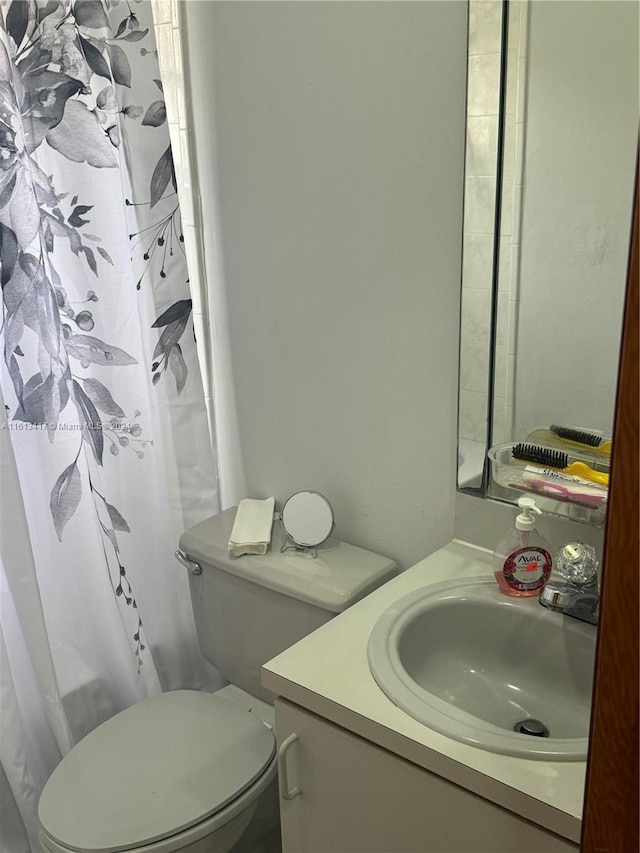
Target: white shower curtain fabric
105	454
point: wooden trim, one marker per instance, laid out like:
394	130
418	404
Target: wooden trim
610	819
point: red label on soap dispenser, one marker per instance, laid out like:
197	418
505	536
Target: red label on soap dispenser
527	568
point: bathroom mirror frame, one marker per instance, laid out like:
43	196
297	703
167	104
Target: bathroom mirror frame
498	90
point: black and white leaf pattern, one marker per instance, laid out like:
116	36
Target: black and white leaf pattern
6	191
111	536
30	265
136	35
9	252
80	138
121	28
45	99
48	316
59	228
107	99
16	378
104	254
16	292
79	210
60	55
170	336
63	388
101	397
48	238
117	520
49	112
120	67
40	403
13	331
34	59
162	174
65	497
52	406
95	59
90	419
178	311
114	135
43	11
31	409
156	115
91	259
44	190
86	347
18	20
90	13
29	294
178	367
14	328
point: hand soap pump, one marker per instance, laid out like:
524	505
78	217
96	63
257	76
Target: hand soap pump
522	561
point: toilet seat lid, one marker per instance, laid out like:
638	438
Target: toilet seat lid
153	770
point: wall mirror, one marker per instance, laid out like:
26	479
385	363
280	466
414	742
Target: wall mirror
552	129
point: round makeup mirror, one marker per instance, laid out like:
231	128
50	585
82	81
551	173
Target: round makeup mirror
307	519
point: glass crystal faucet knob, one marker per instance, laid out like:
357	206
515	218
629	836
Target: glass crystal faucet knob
578	563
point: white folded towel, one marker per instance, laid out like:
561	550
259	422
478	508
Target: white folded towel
251	533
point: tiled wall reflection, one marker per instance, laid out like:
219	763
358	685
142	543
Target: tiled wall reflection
485	25
512	193
483	84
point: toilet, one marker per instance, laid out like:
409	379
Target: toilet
191	771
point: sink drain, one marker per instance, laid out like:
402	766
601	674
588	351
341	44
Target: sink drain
531	727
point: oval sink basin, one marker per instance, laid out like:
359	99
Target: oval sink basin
471	663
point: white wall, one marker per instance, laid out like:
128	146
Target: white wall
330	142
582	121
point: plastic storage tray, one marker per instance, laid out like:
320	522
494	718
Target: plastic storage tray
594	457
586	503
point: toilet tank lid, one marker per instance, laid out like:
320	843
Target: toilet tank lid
338	576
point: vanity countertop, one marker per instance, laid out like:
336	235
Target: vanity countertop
328	674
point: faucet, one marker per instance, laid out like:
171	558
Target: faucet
577	594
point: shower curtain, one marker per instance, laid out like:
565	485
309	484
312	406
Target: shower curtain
105	455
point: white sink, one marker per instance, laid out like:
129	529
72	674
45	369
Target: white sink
471	663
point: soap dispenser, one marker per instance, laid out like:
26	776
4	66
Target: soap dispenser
522	560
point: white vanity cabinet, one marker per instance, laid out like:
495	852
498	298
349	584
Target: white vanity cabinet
375	780
356	797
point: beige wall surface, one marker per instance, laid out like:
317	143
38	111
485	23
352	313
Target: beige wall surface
330	155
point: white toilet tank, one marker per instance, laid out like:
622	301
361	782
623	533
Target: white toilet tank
249	609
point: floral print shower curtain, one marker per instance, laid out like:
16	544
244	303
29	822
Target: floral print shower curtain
106	456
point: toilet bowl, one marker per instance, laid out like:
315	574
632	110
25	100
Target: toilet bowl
183	771
196	772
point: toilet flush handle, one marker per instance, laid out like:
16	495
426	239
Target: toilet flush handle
283	777
182	558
